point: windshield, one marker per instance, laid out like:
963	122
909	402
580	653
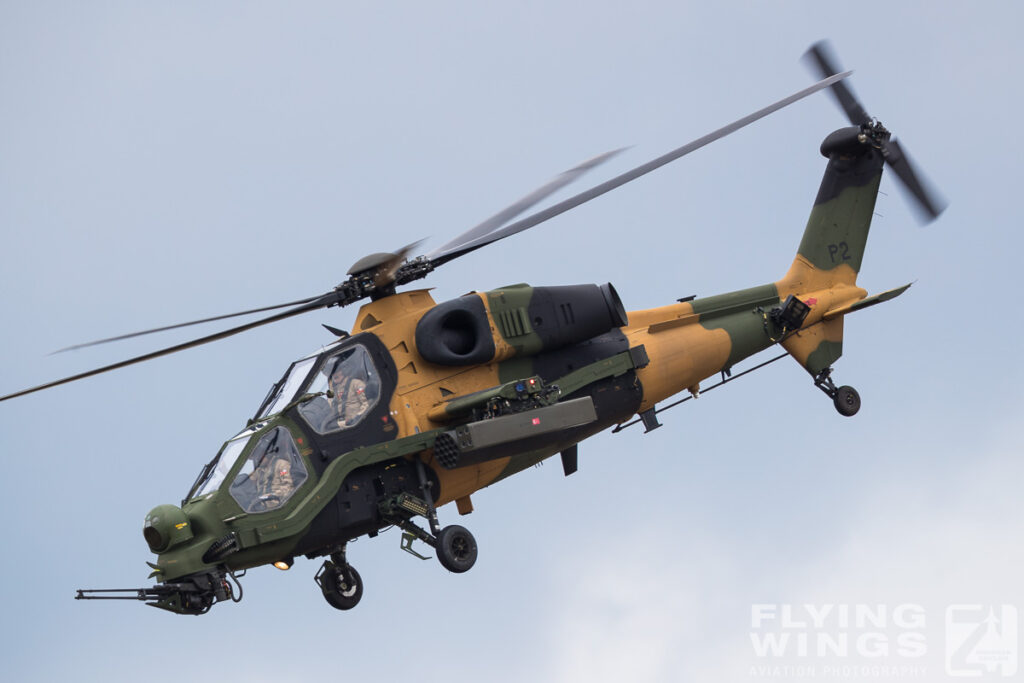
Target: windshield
227	458
283	391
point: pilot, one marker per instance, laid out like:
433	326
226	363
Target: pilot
350	401
281	483
274	481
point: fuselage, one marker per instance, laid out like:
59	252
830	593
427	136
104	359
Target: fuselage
347	474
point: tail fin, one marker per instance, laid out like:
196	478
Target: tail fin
824	272
832	247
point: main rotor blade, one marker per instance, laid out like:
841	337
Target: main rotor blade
929	203
505	215
319	302
176	326
598	190
822	56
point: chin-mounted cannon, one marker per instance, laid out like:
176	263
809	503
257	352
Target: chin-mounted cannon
194	594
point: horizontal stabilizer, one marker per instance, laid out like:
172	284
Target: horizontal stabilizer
865	303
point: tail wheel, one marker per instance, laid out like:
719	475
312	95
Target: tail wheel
456	549
342	586
847	401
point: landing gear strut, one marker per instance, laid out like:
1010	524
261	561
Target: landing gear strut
340	582
844	398
455	546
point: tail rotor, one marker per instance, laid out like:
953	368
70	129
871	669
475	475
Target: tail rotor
927	202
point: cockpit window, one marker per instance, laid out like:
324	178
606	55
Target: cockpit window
227	458
350	386
271	474
284	390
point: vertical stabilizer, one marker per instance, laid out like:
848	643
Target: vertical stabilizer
832	249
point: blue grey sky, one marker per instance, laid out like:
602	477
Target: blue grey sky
166	161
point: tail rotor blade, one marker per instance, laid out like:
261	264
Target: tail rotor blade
928	203
823	62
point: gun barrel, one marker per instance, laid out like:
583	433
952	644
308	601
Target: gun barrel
154	593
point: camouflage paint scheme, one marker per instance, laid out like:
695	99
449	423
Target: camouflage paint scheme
685	343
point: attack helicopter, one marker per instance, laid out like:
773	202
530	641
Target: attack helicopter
424	404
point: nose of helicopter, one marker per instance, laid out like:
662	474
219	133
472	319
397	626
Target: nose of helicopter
165	527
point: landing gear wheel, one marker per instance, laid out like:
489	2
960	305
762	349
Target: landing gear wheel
847	401
456	549
342	587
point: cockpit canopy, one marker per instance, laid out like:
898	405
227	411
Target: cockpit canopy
346	386
342	389
335	389
269	474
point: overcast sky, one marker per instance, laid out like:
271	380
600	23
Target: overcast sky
166	161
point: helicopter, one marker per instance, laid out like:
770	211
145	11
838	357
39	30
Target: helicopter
423	404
